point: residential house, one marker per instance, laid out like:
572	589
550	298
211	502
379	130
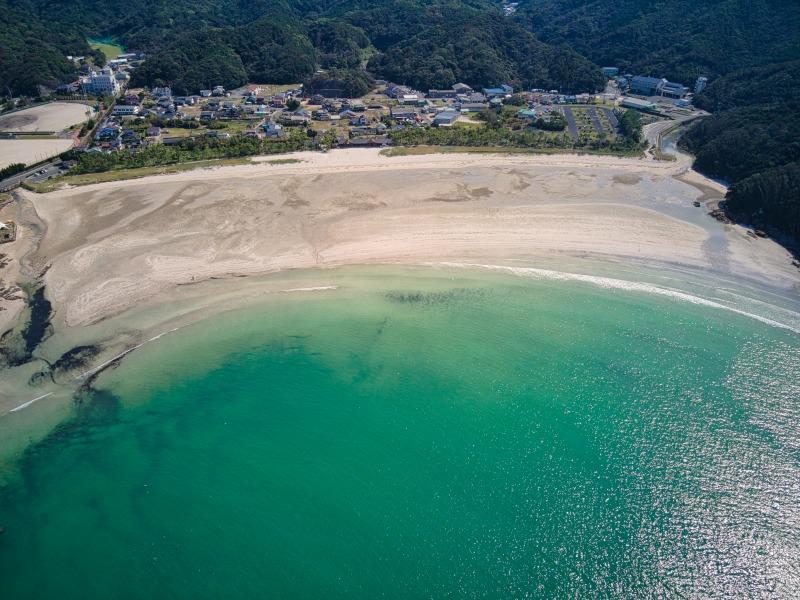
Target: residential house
130	138
253	133
451	93
446	118
293	119
175	140
645	86
409	99
107	133
396	91
498	92
403	114
474	107
359	121
376	141
273	130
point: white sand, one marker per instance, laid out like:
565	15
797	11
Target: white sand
114	245
31	151
54	116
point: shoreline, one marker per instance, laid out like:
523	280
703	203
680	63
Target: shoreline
126	262
41	212
33	412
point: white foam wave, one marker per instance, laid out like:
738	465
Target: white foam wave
124	353
156	337
318	288
29	402
620	284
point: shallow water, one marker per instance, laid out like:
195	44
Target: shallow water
426	435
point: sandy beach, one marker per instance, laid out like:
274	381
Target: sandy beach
110	246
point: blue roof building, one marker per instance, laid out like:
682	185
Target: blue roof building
446	118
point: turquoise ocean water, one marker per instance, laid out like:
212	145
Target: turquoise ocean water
426	436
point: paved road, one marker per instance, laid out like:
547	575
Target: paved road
13	181
612	118
572	126
598	126
50	170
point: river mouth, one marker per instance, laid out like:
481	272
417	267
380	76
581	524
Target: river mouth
408	432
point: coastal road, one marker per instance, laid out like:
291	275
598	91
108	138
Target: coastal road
598	126
50	170
572	126
11	182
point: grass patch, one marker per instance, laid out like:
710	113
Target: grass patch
109	49
659	154
283	161
418	150
121	174
37	136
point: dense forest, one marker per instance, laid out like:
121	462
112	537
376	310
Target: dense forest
677	39
32	52
486	49
193	45
749	50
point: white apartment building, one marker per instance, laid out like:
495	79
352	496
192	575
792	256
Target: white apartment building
103	83
122	110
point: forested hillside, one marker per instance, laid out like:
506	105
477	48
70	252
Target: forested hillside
677	39
195	44
749	49
31	51
485	49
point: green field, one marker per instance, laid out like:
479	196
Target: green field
107	47
120	174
